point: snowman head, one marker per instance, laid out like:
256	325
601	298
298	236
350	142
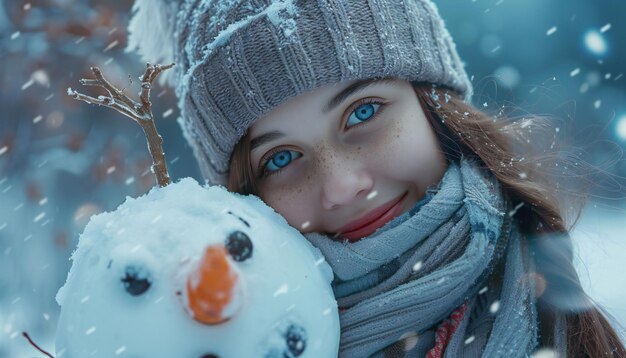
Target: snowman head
187	271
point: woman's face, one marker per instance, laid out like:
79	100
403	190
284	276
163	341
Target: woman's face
346	158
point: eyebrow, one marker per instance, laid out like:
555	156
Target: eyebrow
352	89
265	138
332	104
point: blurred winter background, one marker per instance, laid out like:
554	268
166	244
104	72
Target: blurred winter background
62	161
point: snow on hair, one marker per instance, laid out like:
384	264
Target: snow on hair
151	33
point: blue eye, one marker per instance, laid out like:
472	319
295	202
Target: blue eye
280	160
362	113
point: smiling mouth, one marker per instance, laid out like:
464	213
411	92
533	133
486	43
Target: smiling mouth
373	220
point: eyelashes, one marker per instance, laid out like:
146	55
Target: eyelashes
279	158
364	112
361	113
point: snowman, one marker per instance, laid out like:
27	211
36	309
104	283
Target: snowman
198	272
191	271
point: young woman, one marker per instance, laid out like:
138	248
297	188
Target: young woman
353	120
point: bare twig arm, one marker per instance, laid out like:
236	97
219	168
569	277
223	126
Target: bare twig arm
139	112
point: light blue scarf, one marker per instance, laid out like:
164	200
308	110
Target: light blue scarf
457	245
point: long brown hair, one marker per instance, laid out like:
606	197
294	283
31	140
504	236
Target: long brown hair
511	149
528	169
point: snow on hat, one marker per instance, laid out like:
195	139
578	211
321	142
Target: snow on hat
239	59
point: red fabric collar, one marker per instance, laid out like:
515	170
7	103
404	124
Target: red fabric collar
445	331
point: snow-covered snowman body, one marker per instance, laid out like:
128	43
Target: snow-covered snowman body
191	271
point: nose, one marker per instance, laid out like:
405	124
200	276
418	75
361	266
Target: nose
214	288
343	184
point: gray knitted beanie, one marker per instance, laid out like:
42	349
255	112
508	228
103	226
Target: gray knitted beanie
239	59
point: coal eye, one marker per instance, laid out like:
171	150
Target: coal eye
296	340
134	282
239	246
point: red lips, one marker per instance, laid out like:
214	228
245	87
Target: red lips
368	223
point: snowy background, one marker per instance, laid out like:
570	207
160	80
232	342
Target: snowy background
62	161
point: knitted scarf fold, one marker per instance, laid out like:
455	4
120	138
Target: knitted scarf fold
458	247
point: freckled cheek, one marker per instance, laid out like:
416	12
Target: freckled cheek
294	202
395	154
419	157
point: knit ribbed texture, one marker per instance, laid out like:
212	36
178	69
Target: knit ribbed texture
237	60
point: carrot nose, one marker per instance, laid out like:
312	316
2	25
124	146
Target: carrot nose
214	288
